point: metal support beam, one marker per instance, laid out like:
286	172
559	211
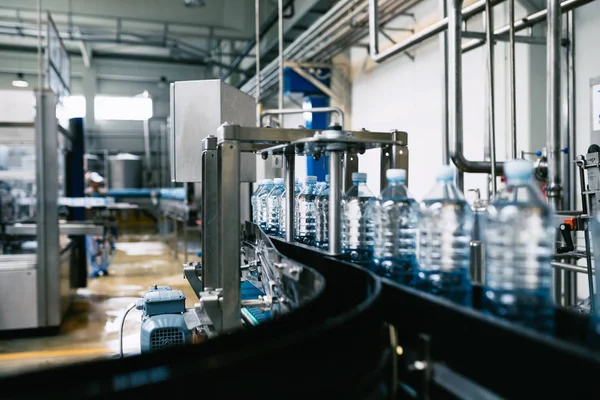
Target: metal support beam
335	198
525	39
229	235
327	110
211	277
290	188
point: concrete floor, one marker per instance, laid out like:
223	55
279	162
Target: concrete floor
91	327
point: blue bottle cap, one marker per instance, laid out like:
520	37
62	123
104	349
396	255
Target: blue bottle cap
359	177
396	175
446	174
518	170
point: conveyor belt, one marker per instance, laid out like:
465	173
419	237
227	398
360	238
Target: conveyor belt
131	192
254	314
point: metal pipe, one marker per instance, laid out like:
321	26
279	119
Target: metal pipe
335	199
512	78
526	22
553	111
146	129
290	189
444	47
569	267
455	97
572	111
39	46
308	110
280	43
489	30
257	52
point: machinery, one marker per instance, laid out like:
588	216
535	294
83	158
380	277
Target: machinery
163	322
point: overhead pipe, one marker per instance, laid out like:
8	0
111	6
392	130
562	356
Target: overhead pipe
526	22
251	43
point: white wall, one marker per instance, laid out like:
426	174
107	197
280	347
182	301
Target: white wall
407	95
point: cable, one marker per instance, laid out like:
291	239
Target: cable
131	307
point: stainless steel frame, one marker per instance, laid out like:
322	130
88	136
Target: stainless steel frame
221	157
328	110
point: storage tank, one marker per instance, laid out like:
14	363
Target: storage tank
125	171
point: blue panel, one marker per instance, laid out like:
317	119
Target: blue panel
318	168
294	83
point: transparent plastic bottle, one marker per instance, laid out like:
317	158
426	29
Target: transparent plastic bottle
444	237
254	201
261	200
283	206
274	207
322	223
518	237
306	213
357	232
394	216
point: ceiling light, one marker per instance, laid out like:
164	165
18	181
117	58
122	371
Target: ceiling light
20	81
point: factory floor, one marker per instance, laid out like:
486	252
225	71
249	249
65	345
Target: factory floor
91	327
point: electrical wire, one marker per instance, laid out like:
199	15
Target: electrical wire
131	307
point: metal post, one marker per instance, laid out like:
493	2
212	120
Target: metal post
176	233
553	110
445	127
280	42
489	30
455	80
146	129
290	188
46	179
512	78
257	63
572	111
335	192
185	242
229	233
209	214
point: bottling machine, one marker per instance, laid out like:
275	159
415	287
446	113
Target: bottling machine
329	328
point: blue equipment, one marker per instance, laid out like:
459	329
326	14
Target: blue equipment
163	322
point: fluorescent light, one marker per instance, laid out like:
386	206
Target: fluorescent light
20	81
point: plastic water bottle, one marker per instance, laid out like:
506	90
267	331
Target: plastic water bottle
518	239
274	207
283	207
395	216
322	223
254	201
444	237
306	213
357	232
261	200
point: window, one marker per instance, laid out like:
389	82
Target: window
73	106
122	108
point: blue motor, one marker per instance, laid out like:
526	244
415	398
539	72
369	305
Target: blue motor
163	322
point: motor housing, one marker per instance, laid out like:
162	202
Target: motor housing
163	322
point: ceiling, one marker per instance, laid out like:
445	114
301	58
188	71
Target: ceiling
216	33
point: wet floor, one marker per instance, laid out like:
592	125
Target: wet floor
91	327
